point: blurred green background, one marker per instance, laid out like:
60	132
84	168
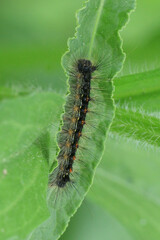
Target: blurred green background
33	37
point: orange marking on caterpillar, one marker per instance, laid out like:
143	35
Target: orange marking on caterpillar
87	99
83	122
79	134
76	108
70	131
74	120
65	156
77	97
79	75
68	144
85	110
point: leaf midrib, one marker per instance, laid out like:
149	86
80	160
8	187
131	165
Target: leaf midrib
95	27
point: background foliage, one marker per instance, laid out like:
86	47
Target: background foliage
124	201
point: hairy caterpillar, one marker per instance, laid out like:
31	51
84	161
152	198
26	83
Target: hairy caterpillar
73	121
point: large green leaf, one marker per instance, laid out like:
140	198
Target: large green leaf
24	155
128	177
127	186
96	37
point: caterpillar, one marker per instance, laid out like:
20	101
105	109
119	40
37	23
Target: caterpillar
74	120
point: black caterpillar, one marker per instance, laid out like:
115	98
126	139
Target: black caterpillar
76	109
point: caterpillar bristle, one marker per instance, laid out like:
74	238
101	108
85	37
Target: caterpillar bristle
74	119
84	106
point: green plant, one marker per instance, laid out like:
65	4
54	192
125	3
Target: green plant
126	182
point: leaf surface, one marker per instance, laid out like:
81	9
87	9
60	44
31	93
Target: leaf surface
24	156
127	181
96	38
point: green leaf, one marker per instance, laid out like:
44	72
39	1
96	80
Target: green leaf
127	186
137	124
6	92
97	37
128	177
24	161
140	90
137	113
92	222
